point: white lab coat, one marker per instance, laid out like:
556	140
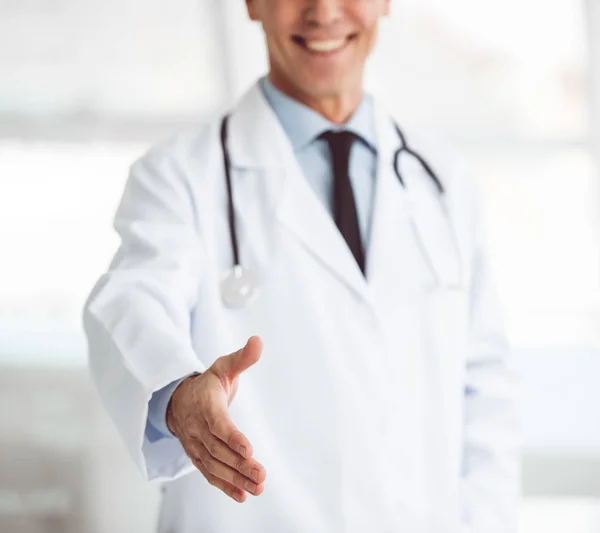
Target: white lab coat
379	405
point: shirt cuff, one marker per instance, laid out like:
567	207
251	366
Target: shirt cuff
157	412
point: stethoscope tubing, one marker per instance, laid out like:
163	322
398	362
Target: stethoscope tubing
230	208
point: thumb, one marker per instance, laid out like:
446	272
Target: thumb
238	362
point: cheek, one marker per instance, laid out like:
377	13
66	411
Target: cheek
367	42
367	16
278	28
282	15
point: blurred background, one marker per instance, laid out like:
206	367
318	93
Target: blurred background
86	86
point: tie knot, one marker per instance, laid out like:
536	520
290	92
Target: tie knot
340	144
338	139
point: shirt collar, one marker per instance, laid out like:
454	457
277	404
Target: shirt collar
303	124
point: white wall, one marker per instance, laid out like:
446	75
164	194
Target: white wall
126	58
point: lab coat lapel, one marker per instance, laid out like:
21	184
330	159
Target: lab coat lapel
412	242
388	251
258	141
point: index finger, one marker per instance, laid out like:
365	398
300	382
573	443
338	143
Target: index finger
221	426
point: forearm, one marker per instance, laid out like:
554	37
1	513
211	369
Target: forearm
137	318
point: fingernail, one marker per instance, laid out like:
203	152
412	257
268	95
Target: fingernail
250	487
254	474
238	497
243	451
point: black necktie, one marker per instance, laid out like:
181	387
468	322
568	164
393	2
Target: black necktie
344	207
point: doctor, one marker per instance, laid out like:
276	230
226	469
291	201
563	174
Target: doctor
301	314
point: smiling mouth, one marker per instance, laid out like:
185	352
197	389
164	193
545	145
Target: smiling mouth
323	47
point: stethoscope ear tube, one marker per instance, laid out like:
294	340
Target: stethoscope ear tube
405	148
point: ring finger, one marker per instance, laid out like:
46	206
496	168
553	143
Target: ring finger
227	473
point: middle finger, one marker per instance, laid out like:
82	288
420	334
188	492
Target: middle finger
222	471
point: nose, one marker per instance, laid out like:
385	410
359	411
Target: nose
323	12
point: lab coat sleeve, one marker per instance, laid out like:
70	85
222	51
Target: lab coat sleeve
491	466
137	317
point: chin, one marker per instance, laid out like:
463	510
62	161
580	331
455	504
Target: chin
325	90
323	86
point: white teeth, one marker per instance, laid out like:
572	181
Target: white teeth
325	46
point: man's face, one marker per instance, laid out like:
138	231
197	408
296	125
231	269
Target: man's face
318	47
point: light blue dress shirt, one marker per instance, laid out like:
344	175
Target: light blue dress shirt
303	126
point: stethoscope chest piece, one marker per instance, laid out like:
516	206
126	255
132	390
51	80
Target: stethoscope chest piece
239	287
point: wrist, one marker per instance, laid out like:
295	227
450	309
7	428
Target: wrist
173	402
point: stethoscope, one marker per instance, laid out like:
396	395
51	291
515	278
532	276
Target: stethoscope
240	286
